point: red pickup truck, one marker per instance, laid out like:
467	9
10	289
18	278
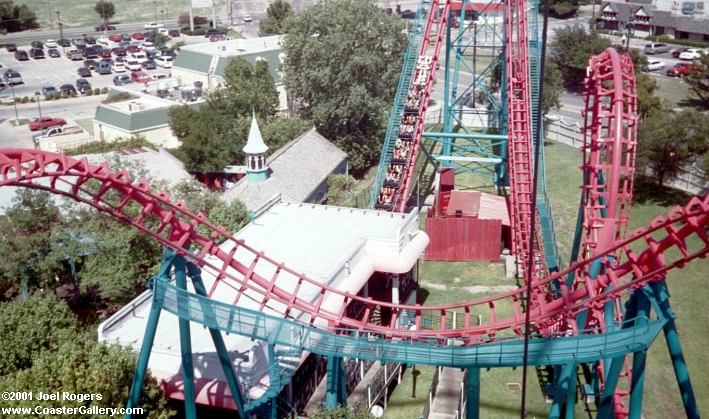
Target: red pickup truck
46	122
680	70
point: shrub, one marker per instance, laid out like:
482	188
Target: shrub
104	90
97	91
25	99
88	92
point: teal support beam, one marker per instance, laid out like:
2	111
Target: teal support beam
336	390
674	347
185	343
141	368
218	340
570	410
465	135
606	410
566	375
447	121
472	394
637	383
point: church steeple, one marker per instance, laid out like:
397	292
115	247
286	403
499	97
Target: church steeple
255	150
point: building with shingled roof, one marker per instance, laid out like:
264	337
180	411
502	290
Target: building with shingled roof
296	172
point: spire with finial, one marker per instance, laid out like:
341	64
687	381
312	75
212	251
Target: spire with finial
255	150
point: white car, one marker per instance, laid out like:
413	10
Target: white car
138	56
148	46
118	68
133	65
247	18
158	76
51	43
691	54
153	25
164	32
653	65
164	61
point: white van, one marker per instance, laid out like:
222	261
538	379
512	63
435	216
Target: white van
164	61
137	56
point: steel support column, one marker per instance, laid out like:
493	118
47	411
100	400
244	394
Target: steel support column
472	394
642	312
185	343
336	386
606	410
219	345
570	410
562	388
662	295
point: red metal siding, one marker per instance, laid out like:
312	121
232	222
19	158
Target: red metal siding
463	239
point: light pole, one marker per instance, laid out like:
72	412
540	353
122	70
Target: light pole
38	96
61	29
155	9
14	102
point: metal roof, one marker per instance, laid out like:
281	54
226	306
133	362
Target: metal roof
296	171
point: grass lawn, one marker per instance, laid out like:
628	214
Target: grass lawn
449	282
81	13
678	94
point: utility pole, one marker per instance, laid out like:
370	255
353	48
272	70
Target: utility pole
191	16
61	29
14	102
155	9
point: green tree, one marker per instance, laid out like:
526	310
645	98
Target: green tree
553	86
570	51
15	18
42	350
341	71
698	79
105	10
669	141
25	241
279	131
30	326
230	215
645	85
278	11
213	135
562	9
339	188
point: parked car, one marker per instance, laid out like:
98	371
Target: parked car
138	36
691	54
37	44
104	67
51	43
84	72
122	79
656	48
132	48
158	76
105	53
48	90
37	53
11	47
247	18
104	27
148	65
46	122
125	37
164	32
78	42
54	53
654	64
21	55
133	65
124	44
408	14
174	33
148	46
91	51
139	77
74	55
12	77
119	52
165	62
68	89
89	40
116	38
90	64
677	52
118	68
153	25
680	70
82	85
137	56
211	32
64	42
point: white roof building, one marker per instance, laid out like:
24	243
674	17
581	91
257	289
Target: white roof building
340	247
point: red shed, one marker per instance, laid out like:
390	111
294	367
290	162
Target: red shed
466	225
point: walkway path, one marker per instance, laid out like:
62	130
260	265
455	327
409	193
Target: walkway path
445	403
